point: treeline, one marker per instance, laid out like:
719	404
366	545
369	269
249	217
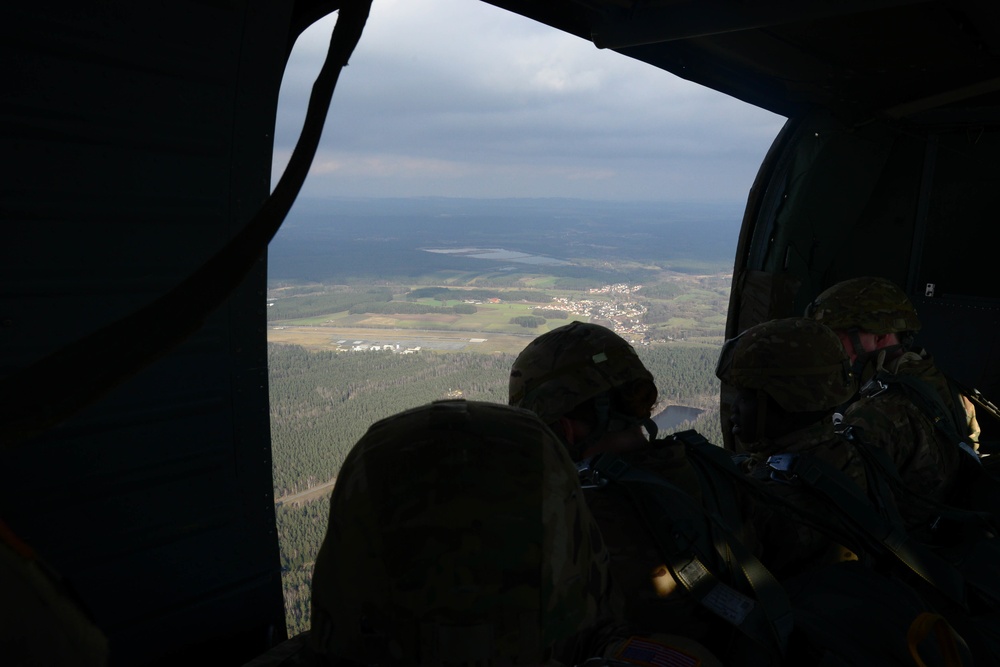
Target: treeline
300	533
311	305
447	293
538	317
323	402
528	321
683	373
408	308
550	313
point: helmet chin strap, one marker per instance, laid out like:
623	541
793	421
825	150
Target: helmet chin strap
608	421
759	430
651	428
861	355
750	440
880	356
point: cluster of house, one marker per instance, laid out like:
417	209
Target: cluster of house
618	288
625	316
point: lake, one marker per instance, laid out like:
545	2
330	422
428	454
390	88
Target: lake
501	254
673	415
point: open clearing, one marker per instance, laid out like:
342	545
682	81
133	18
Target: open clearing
302	497
328	337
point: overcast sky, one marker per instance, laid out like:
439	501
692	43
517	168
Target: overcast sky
458	98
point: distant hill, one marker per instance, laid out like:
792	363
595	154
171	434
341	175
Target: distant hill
340	240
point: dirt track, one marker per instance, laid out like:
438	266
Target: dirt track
308	495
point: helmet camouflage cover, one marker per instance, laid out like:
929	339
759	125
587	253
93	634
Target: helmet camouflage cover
569	365
873	304
458	534
798	362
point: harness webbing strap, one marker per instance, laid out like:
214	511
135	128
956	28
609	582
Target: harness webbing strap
844	498
984	578
926	398
768	619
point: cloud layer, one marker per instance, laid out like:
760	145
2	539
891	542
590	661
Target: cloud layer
458	98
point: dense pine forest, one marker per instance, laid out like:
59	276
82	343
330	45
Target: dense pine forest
322	403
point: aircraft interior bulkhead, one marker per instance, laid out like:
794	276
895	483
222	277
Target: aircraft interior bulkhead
137	209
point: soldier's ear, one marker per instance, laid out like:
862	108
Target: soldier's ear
573	430
566	426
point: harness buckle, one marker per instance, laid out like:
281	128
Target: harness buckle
782	467
873	387
590	478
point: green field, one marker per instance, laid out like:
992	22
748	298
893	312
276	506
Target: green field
676	307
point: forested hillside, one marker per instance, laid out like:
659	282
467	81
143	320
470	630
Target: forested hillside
322	403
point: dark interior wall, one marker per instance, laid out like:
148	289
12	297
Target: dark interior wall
910	202
137	140
846	203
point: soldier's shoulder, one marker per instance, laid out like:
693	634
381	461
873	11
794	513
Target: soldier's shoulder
886	407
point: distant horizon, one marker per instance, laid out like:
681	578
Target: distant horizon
310	205
610	200
339	237
463	99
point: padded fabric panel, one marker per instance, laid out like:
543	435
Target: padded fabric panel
138	141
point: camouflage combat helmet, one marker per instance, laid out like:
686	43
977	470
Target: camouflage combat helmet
873	304
458	534
798	362
569	365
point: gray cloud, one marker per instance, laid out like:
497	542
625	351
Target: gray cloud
459	98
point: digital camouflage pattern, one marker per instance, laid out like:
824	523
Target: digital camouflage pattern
790	546
873	304
569	365
635	557
802	365
798	362
653	600
458	534
553	375
927	460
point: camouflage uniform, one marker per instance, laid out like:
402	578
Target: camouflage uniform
635	557
926	458
568	366
792	545
801	366
458	535
41	621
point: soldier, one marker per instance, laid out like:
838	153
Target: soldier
458	535
589	385
791	374
906	405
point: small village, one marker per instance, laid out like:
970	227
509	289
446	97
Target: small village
624	316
